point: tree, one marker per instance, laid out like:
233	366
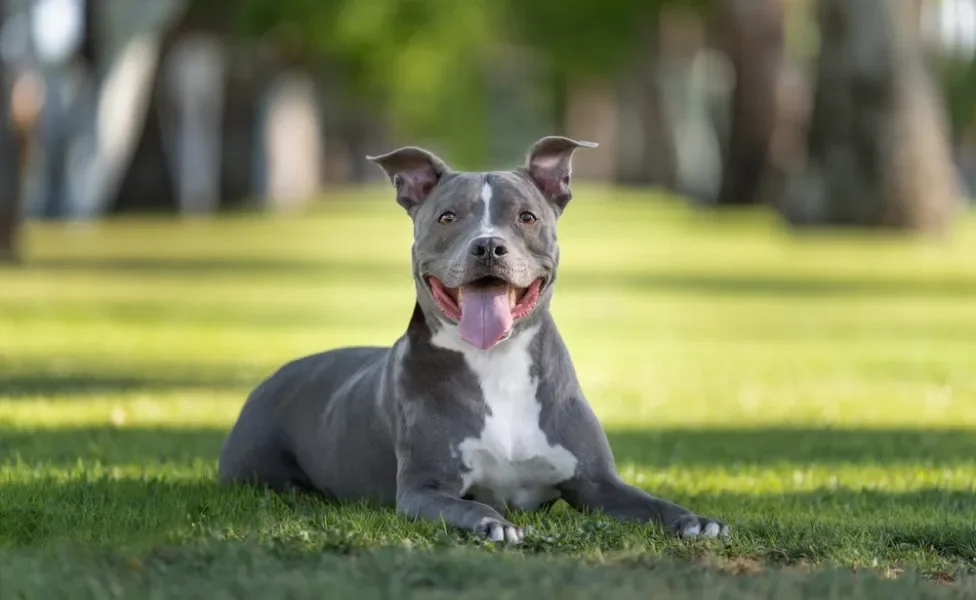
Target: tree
9	165
647	152
428	61
877	149
751	34
423	61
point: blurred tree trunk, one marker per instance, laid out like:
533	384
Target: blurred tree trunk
88	51
646	151
9	167
751	34
878	152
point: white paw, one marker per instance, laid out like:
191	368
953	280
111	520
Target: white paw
706	528
500	531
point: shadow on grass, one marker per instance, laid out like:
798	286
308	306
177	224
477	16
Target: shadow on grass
103	509
766	446
844	525
653	449
111	446
707	284
52	383
284	557
783	527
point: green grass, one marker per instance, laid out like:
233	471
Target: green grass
817	392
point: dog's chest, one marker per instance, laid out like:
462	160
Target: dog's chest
511	462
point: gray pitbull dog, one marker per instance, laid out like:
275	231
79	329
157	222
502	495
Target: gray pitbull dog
476	409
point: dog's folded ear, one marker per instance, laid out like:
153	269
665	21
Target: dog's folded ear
413	171
549	163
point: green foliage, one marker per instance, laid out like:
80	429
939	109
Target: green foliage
427	60
423	60
583	37
817	393
957	77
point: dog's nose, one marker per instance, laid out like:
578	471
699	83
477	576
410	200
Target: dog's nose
488	247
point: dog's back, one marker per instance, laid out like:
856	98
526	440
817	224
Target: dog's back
314	393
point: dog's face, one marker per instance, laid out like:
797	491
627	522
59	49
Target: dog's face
484	252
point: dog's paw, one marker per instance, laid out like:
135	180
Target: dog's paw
693	526
499	530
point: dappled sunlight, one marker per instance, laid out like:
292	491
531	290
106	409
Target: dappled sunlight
216	407
745	446
60	470
828	382
766	256
835	400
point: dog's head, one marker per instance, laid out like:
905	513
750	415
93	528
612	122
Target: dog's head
484	250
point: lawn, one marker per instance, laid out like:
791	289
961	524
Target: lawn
816	392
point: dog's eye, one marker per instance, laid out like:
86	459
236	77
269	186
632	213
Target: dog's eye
527	218
445	218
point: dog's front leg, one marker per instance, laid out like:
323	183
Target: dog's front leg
596	485
608	494
424	502
429	487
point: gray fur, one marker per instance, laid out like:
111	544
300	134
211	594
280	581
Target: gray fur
408	425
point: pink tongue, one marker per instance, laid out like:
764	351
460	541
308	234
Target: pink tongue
485	316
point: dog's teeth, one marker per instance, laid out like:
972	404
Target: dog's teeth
511	297
460	295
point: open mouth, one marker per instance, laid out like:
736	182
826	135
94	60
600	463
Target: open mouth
486	308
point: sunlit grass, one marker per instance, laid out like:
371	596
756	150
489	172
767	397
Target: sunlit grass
818	392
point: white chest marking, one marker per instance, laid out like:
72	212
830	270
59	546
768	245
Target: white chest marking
511	462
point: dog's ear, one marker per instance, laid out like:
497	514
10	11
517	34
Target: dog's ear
549	163
413	171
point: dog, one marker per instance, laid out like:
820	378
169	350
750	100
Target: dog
476	410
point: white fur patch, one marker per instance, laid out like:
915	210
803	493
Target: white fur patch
711	530
499	532
511	462
486	194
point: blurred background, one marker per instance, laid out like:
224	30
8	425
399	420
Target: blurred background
828	112
767	271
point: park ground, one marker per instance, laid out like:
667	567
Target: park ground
817	392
